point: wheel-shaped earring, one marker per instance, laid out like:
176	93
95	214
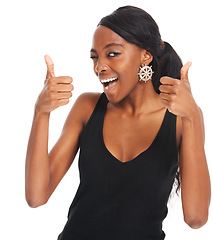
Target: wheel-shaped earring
145	73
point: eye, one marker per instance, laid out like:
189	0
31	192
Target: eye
113	54
93	57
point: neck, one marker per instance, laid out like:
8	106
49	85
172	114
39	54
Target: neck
143	99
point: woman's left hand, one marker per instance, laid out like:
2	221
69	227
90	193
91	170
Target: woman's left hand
176	94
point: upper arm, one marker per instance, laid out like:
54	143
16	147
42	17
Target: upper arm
63	153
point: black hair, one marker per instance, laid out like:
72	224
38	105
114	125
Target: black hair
138	27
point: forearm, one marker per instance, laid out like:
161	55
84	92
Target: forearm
37	173
195	186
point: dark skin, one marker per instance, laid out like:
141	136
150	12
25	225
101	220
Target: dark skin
134	108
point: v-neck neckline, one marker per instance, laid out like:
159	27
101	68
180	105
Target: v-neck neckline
141	153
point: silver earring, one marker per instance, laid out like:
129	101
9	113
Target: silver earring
145	73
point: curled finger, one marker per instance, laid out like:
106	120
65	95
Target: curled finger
165	96
64	95
64	87
166	89
63	102
64	80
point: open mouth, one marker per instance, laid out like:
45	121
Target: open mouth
108	83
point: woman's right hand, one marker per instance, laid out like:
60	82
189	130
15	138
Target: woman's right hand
56	91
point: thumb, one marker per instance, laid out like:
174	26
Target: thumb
184	71
50	67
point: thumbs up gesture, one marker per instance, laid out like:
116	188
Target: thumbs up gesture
176	94
56	91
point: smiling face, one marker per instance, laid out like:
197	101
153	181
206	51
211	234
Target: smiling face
116	63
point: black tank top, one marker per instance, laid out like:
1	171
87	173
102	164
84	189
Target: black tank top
122	200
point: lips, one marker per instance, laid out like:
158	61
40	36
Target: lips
109	84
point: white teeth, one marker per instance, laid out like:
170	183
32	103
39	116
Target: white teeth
108	80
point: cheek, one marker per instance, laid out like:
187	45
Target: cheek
130	71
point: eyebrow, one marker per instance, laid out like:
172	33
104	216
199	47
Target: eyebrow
107	46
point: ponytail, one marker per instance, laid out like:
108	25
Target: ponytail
168	64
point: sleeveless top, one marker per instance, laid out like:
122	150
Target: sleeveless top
122	200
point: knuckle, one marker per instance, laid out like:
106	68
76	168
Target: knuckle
176	90
50	89
171	105
50	80
51	96
173	98
178	83
50	92
65	79
52	102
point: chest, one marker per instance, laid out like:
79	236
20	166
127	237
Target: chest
126	137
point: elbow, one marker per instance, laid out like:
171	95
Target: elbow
36	197
35	202
196	222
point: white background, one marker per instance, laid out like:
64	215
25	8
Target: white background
63	29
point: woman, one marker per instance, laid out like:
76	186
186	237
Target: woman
134	138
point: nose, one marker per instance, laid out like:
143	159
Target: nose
101	67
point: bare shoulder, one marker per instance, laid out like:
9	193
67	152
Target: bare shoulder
88	98
85	105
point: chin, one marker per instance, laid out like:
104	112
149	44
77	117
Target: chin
113	98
